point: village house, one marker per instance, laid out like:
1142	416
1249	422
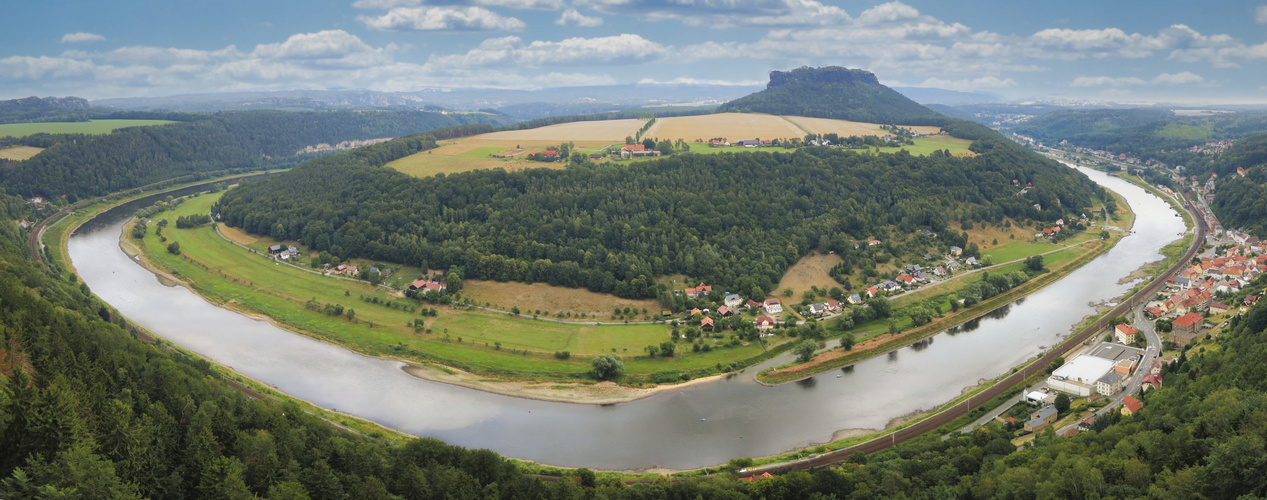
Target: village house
1043	417
695	292
972	261
955	251
1131	406
733	301
752	303
725	312
764	323
1185	329
773	306
817	309
1110	383
1124	334
275	250
706	324
1151	381
855	299
427	286
1218	308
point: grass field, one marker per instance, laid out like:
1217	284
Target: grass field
465	338
811	270
90	127
19	153
554	299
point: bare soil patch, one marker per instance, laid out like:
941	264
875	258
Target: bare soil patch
556	299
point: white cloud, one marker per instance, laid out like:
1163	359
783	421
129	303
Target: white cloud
573	80
698	81
619	49
1107	81
441	18
1183	78
571	17
1071	45
985	82
82	37
523	4
1166	79
1260	14
331	47
725	13
889	12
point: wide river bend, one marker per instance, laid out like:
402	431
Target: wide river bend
700	425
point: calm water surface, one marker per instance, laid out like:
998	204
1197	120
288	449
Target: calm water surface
701	425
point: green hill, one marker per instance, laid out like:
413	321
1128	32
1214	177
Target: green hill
834	92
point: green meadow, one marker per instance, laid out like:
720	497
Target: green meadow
89	127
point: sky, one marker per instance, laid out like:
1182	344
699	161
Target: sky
1212	52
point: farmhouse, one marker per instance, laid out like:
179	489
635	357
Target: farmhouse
695	292
706	324
427	286
275	250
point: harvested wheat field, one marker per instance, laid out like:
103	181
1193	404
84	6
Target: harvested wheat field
811	270
605	130
732	126
19	153
845	128
543	297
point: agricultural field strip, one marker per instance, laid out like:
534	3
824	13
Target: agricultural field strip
19	153
89	127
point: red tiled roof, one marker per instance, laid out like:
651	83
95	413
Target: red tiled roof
1126	329
1132	404
1188	320
707	321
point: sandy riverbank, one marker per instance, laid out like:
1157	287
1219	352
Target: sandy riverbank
600	393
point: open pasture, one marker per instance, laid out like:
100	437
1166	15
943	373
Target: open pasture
89	127
555	299
19	153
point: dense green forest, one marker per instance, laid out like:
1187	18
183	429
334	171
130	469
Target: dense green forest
1241	202
90	165
76	109
834	92
734	220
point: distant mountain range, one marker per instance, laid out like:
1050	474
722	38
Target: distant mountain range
520	104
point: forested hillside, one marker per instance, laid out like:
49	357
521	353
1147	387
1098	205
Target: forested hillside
1241	202
733	220
833	92
90	165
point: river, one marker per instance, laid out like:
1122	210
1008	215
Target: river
700	425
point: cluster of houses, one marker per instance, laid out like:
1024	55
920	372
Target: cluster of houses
283	252
1194	288
427	285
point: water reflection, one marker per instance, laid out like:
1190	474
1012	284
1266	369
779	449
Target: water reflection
808	383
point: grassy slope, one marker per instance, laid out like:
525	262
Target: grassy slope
90	127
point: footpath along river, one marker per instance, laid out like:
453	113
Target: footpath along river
700	425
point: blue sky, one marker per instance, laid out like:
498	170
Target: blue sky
1169	51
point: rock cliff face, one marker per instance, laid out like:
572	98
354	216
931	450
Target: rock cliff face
827	74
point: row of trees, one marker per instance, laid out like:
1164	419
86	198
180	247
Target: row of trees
735	220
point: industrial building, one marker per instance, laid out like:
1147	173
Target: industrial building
1104	369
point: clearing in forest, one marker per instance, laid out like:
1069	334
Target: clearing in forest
508	149
19	153
811	270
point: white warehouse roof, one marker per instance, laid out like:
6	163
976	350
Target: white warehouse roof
1084	369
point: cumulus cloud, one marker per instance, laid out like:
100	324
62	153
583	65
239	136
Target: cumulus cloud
1260	14
571	17
573	80
82	37
441	18
726	13
1183	78
331	48
619	49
